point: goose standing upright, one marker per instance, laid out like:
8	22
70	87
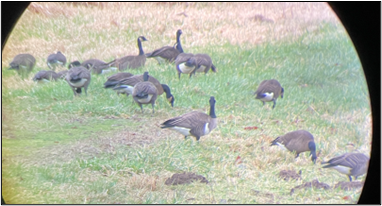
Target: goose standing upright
55	60
77	78
350	164
269	90
195	123
298	141
145	92
23	64
131	62
167	53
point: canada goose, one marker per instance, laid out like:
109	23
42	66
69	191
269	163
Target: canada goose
45	76
78	77
125	86
350	164
62	74
131	62
185	63
269	90
55	60
115	79
23	64
145	92
203	63
299	141
167	53
195	123
74	64
97	66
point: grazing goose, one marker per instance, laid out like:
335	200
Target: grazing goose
350	164
167	53
55	60
269	90
97	66
299	141
62	74
131	62
145	92
78	77
195	123
74	64
203	63
185	63
125	86
45	76
114	79
23	64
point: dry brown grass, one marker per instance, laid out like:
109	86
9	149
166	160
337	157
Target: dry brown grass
202	23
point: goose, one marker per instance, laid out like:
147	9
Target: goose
185	63
203	63
114	79
269	90
97	66
78	77
46	76
74	64
62	74
131	62
55	60
350	164
125	86
145	92
23	64
194	123
167	53
298	141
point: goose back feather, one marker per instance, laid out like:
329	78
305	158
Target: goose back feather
350	164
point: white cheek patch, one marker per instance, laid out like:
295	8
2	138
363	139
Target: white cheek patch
145	100
268	97
185	69
342	169
78	84
201	69
182	130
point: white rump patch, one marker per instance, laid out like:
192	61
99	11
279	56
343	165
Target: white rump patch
268	97
145	100
184	131
78	84
342	169
201	69
185	69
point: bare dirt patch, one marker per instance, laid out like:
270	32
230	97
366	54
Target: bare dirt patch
349	185
314	184
185	178
289	175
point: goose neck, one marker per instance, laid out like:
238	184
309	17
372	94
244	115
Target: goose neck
212	110
140	47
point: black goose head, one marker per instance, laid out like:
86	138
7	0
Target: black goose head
145	76
74	64
312	148
178	45
13	66
169	96
141	38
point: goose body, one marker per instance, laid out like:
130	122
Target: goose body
114	79
97	66
195	123
23	64
145	92
77	78
185	63
269	90
203	63
167	53
45	76
350	164
131	62
298	141
55	60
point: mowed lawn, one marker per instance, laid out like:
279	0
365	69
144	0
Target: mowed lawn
101	149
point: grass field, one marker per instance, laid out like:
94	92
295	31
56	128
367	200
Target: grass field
101	149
